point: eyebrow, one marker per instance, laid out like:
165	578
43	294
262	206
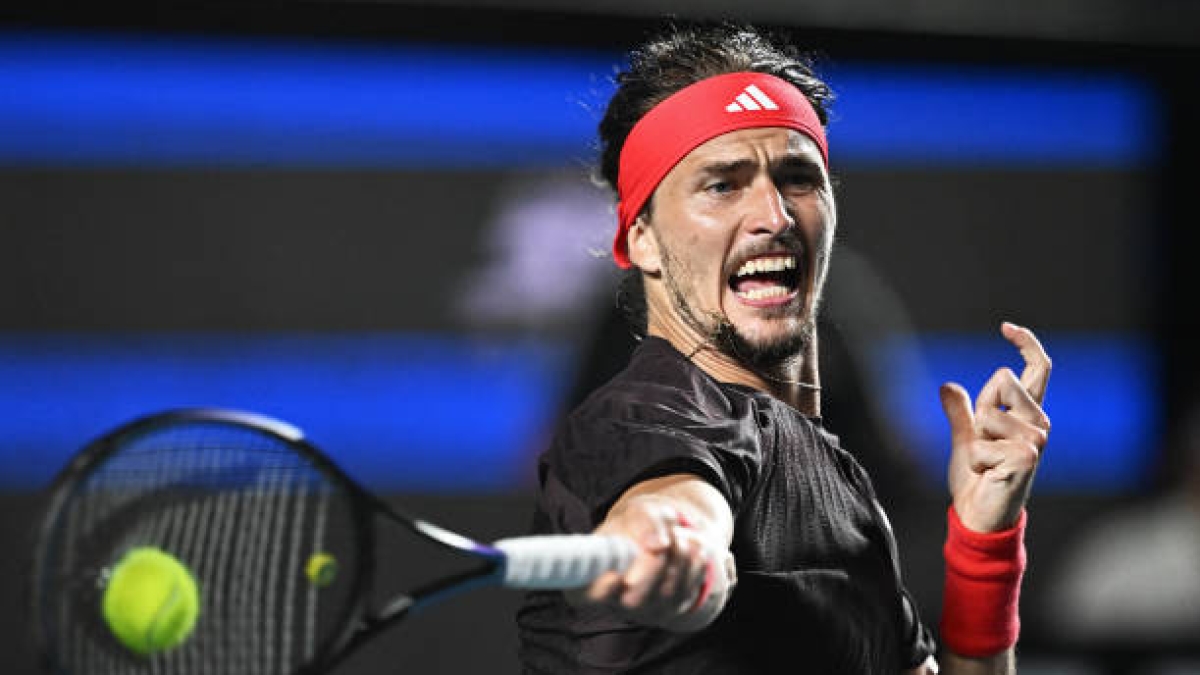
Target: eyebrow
738	165
725	168
796	162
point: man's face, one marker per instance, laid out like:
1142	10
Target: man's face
744	225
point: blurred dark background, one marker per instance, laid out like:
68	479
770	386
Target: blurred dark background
375	220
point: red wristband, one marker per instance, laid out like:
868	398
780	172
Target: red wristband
983	586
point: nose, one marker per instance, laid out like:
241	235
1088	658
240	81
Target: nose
768	210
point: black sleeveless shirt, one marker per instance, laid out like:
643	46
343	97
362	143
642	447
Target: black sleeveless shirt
819	588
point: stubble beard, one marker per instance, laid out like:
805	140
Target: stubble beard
775	356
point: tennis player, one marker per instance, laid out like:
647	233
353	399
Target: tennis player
763	548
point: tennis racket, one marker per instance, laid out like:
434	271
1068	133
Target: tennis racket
250	506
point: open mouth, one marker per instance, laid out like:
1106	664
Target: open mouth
768	279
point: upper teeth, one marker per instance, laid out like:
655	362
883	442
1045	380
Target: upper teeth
766	265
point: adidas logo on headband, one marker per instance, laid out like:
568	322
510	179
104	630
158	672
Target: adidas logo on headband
751	98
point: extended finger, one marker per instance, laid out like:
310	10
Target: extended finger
956	404
1036	375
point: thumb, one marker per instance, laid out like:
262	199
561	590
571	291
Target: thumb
956	403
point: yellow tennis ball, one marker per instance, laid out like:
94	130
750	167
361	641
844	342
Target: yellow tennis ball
151	602
321	569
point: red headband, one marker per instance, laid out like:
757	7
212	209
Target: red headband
693	115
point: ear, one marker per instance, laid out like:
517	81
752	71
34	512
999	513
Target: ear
643	247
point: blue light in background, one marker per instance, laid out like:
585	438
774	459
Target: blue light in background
399	412
411	413
1102	402
108	99
91	98
988	116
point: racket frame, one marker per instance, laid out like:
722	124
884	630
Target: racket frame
358	621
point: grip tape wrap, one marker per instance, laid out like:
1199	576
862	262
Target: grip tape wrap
562	561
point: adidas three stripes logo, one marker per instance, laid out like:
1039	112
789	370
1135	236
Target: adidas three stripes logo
751	98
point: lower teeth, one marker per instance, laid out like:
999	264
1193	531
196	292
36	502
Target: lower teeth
763	293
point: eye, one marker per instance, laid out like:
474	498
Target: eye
799	180
719	187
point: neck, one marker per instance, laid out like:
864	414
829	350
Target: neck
796	383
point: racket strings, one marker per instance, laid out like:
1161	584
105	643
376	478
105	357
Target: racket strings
244	512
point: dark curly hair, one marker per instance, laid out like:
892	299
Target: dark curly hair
672	61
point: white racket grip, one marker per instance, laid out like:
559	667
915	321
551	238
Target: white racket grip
562	560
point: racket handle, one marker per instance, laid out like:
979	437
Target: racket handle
562	560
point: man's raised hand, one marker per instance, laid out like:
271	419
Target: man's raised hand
997	446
